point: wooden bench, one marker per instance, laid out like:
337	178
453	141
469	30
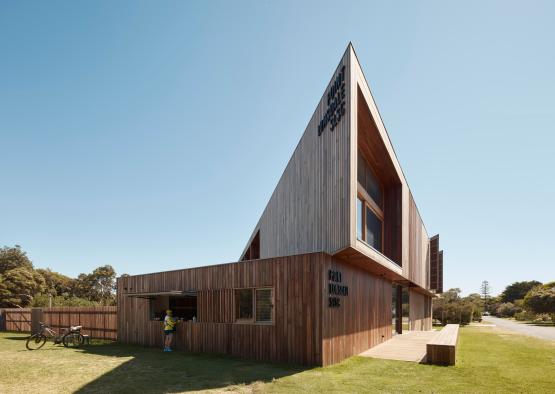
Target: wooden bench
441	350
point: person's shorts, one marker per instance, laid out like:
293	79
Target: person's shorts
169	332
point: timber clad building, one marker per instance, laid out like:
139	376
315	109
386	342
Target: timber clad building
339	261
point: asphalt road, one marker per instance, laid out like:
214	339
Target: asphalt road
522	328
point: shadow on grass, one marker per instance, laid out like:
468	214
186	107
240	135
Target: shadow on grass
18	338
153	371
539	324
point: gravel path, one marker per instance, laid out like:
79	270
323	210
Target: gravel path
522	328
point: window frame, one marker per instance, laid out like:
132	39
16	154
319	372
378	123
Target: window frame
254	320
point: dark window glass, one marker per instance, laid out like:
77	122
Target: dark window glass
360	210
368	181
183	307
264	305
373	230
406	309
243	304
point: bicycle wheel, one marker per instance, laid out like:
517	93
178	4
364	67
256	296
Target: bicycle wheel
35	342
73	339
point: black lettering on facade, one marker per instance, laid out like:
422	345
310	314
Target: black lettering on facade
336	289
335	102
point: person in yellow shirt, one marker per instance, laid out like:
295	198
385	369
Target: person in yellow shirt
170	324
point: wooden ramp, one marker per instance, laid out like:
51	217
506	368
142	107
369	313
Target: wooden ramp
410	346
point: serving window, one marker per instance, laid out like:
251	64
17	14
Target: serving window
254	305
182	307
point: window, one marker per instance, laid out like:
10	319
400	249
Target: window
253	251
264	305
254	305
360	222
243	304
184	307
368	181
373	230
369	206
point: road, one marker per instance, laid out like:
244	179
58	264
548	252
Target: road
522	328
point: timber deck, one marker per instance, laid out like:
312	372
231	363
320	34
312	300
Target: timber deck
410	346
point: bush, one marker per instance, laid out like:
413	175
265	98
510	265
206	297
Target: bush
524	316
42	300
507	309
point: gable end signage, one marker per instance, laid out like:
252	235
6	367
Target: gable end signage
335	100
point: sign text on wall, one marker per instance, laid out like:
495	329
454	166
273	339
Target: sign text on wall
336	103
336	289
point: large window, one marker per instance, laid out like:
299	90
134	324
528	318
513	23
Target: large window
369	206
254	305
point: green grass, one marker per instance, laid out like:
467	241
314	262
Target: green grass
489	361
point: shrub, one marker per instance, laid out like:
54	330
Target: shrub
507	309
524	316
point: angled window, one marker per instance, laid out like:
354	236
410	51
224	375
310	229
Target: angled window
253	251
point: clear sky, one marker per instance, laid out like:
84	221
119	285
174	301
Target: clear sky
150	135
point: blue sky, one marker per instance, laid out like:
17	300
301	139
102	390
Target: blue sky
150	135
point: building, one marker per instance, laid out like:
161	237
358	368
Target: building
339	261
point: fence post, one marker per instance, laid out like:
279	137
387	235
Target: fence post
36	318
2	320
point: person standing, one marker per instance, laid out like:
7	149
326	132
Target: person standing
170	324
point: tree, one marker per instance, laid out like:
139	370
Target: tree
19	282
97	286
104	283
18	286
56	284
541	299
485	292
13	257
518	290
451	308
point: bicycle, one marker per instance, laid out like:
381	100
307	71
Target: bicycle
72	338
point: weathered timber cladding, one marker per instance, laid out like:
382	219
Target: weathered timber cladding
420	311
418	269
305	329
440	272
364	318
295	335
309	210
434	262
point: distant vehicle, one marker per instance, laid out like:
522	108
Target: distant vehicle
485	314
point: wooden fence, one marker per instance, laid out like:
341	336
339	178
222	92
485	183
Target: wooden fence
98	322
15	319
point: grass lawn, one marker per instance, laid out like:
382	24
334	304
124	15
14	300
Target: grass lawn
489	360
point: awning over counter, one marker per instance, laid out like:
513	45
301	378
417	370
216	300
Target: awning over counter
172	293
